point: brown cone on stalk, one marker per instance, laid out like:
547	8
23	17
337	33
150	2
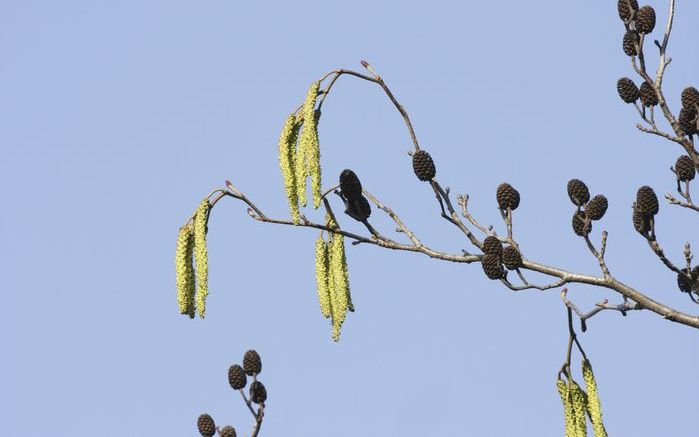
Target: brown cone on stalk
423	165
507	196
646	201
511	258
690	97
684	168
492	266
491	245
578	192
626	8
628	91
596	207
648	96
206	425
629	43
645	20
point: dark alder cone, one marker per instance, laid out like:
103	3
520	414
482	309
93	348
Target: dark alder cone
690	97
578	223
507	196
350	186
258	392
641	223
629	43
684	283
578	192
626	7
492	267
511	258
684	168
360	207
228	431
423	166
491	245
236	377
252	364
648	96
645	20
206	425
597	207
647	201
688	120
628	91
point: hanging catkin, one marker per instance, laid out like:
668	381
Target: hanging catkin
287	162
308	154
579	407
322	276
568	412
201	256
338	278
184	270
594	407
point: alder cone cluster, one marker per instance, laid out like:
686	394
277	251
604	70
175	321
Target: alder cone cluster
350	186
228	431
648	96
597	207
684	168
628	91
252	364
511	258
423	165
578	224
626	8
645	20
646	201
507	196
206	425
578	192
629	43
492	266
690	97
492	246
236	377
688	120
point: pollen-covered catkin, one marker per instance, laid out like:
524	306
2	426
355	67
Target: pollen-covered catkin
309	148
338	279
579	399
594	407
201	256
322	273
567	408
184	270
287	162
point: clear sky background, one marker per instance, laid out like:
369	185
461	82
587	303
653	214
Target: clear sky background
117	117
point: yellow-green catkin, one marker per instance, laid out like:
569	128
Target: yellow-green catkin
287	162
579	407
184	270
594	407
308	156
201	256
322	276
338	279
569	414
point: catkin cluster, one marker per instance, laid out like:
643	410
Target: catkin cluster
578	405
299	154
193	285
332	278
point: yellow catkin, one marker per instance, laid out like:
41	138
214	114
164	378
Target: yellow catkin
287	163
338	278
314	162
322	276
184	270
308	155
201	256
594	407
579	407
568	412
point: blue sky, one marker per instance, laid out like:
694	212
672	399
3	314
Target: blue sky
117	117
